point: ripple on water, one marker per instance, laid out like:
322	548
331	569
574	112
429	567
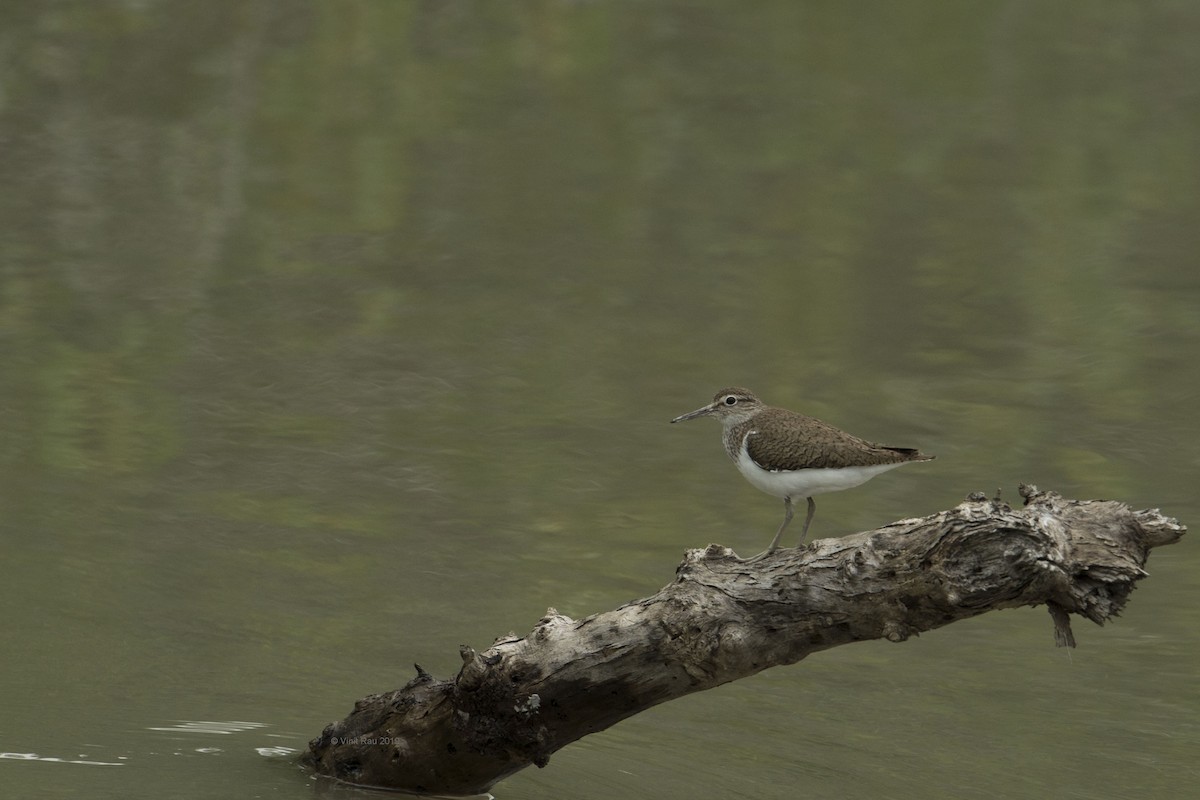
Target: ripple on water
82	759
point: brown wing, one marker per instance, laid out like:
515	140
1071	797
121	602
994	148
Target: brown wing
789	441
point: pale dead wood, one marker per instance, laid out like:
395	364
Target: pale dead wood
724	618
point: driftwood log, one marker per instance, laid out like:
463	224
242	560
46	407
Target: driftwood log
724	618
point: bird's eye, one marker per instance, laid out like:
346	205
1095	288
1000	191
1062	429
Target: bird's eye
730	400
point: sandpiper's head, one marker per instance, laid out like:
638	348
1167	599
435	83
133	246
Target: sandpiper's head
730	406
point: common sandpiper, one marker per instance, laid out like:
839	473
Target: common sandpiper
793	455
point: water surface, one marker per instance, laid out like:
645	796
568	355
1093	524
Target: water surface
335	336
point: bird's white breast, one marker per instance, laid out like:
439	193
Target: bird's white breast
806	482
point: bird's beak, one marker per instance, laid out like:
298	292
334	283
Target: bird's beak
699	412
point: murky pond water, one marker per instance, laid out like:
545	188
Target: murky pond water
335	336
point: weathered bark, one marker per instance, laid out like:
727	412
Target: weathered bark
725	618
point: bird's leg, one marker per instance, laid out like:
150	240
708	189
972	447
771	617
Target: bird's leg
787	517
812	509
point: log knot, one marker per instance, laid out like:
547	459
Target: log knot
896	631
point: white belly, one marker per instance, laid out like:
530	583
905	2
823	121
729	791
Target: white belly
807	482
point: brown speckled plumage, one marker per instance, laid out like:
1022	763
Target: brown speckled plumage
787	440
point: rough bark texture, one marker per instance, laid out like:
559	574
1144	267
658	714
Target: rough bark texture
725	618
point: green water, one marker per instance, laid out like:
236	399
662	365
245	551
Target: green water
336	335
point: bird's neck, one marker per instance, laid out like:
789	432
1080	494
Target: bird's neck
735	432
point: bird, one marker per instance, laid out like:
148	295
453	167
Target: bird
792	455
